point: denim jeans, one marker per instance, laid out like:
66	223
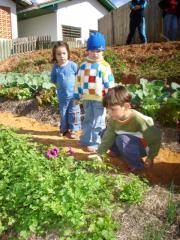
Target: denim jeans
170	26
70	117
93	124
131	149
140	24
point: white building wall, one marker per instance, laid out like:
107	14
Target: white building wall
39	26
78	13
12	6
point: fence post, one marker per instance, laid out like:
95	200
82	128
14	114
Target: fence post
5	48
113	24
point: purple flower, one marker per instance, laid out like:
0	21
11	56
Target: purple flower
52	152
70	151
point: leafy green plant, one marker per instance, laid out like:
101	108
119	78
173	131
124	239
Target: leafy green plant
150	107
133	190
41	195
47	97
16	93
24	86
157	100
147	93
3	91
169	114
34	81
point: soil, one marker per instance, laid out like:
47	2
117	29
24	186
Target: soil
165	170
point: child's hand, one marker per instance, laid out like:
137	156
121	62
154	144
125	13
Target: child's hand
75	102
95	156
148	163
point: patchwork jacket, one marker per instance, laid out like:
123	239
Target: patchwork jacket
93	80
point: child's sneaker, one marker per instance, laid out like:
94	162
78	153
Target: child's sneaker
62	134
73	135
91	149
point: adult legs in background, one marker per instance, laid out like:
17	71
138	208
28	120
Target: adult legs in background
170	26
132	29
142	30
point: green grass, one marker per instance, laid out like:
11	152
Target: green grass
74	200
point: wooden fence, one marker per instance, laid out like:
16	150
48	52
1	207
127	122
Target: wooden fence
23	45
74	42
115	25
29	44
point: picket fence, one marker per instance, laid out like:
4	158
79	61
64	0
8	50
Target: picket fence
75	42
28	44
23	45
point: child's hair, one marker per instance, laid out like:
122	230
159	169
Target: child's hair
117	96
57	45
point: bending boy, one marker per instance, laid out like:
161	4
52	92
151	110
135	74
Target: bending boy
129	133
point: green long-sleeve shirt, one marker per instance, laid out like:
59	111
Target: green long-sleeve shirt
137	125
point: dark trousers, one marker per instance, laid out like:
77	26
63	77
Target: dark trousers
137	22
131	149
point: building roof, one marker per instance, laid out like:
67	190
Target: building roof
48	6
22	4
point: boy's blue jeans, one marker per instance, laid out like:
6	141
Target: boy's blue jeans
70	115
93	124
131	149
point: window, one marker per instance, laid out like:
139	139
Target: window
71	32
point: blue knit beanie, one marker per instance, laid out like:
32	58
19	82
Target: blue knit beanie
96	41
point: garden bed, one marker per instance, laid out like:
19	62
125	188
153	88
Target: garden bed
105	203
129	63
119	206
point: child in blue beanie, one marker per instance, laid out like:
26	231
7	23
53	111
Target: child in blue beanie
93	80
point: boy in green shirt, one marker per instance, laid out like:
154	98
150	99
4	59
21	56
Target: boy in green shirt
129	133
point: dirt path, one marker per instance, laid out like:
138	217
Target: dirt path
165	169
